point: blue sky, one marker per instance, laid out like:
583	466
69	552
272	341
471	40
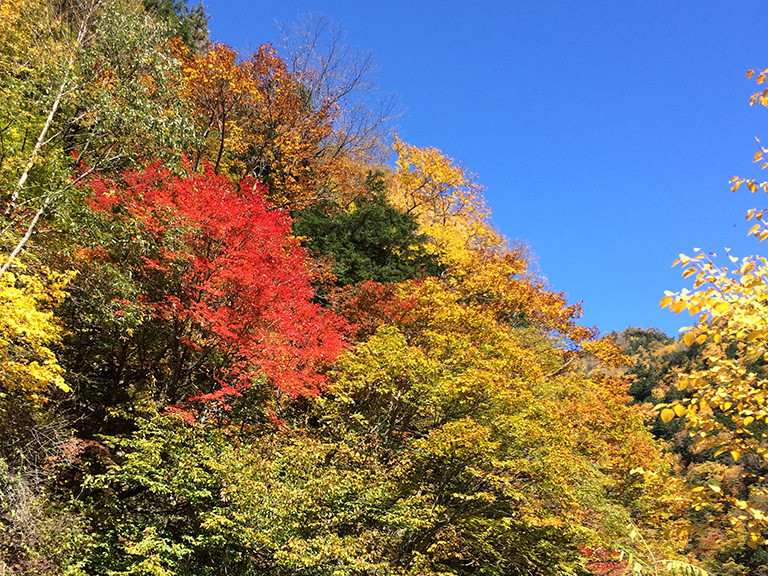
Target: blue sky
605	132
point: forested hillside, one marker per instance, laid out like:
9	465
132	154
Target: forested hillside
236	339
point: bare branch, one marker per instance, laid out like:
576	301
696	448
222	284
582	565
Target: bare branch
341	79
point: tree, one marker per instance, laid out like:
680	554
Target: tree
478	419
85	86
341	78
447	200
29	332
726	404
257	120
451	211
725	407
369	240
205	296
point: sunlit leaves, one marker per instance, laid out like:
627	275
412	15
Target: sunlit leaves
758	97
255	120
667	415
726	409
29	331
452	428
447	200
227	286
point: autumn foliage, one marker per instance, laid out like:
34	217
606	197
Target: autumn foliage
231	343
225	277
254	120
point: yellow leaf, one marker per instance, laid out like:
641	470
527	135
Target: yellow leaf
677	307
750	73
689	271
754	335
701	339
667	415
748	420
688	338
666	301
752	232
736	453
679	410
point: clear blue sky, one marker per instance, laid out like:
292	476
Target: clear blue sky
605	131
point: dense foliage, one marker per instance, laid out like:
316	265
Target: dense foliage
369	239
234	343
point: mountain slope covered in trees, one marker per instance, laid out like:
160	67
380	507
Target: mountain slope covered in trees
235	341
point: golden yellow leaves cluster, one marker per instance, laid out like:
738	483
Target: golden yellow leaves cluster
451	210
446	199
725	409
726	400
761	97
29	332
255	120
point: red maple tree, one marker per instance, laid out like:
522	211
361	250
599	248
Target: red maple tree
228	282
